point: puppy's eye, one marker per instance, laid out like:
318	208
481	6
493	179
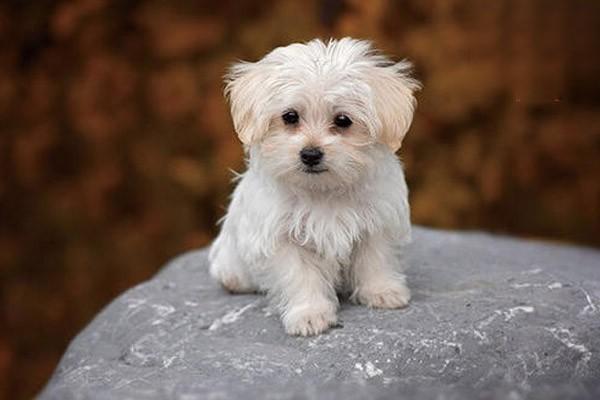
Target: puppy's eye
342	121
290	117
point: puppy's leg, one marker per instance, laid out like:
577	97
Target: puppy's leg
375	278
227	267
303	289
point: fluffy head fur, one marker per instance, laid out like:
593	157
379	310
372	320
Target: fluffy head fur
300	231
321	80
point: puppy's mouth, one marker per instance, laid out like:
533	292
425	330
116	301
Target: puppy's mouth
314	171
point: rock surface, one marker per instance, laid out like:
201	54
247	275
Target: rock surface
491	317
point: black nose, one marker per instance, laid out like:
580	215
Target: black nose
311	156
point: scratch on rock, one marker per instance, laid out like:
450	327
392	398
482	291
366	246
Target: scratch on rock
126	382
590	308
168	361
230	317
487	321
565	336
527	373
512	312
369	369
555	285
426	343
533	271
163	310
482	336
372	370
479	331
135	303
443	368
549	285
521	285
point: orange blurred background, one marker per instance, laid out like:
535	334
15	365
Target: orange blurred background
116	143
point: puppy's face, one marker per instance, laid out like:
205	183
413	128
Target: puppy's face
312	114
318	134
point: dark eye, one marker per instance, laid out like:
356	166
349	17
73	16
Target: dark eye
342	121
290	117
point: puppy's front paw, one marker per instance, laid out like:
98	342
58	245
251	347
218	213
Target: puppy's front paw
396	295
308	320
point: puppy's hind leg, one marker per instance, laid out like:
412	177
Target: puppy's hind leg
228	268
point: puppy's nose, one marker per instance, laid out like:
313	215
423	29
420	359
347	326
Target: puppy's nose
311	156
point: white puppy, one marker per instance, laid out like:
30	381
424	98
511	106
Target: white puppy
322	207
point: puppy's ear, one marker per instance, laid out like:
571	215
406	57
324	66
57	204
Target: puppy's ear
394	101
244	87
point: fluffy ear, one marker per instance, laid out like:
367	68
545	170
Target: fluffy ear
244	87
394	102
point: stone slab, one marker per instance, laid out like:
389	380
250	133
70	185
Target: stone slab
491	317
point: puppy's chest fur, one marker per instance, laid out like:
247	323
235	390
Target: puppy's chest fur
263	217
329	228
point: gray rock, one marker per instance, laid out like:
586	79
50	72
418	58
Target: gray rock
491	317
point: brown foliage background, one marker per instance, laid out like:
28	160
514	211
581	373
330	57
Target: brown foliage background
115	141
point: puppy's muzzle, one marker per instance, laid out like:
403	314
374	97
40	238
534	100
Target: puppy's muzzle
311	156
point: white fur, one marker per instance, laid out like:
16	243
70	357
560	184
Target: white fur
303	237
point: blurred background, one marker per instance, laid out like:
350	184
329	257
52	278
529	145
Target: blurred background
116	143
